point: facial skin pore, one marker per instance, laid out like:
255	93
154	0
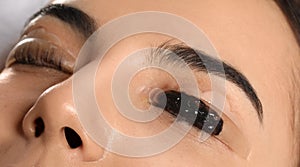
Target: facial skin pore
253	37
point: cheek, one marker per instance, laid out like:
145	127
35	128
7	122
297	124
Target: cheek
17	96
185	153
19	91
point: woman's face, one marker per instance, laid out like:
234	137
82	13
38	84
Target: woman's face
40	127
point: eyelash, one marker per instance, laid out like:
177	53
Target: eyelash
34	54
186	108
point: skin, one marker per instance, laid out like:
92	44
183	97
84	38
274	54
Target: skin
252	36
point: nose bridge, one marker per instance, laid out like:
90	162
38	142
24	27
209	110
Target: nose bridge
54	120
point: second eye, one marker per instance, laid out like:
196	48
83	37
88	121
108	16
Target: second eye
191	110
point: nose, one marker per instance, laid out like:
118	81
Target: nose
54	121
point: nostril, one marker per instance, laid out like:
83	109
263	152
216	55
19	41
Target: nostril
72	138
39	127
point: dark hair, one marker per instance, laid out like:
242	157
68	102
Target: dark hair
291	9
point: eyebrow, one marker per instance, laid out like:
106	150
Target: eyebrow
74	17
200	61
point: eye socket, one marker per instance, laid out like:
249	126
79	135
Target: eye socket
41	53
191	110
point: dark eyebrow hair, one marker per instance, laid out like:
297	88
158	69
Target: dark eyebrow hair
76	18
200	61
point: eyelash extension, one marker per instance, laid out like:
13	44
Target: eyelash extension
40	54
186	107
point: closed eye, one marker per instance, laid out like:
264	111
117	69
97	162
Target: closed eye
204	117
191	110
39	52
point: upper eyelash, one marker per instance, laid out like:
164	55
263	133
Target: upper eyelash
35	53
41	57
193	111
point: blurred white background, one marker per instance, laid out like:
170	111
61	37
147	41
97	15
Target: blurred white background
13	15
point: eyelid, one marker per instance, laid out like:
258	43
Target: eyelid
41	33
41	53
231	134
